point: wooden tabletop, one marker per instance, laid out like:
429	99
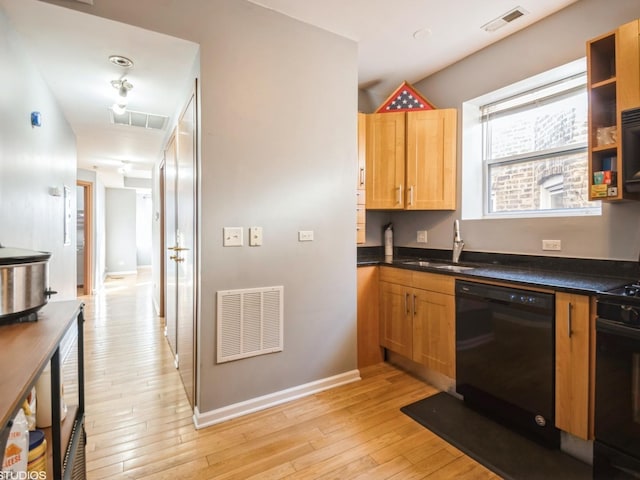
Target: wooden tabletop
26	348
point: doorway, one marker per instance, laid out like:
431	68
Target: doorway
84	226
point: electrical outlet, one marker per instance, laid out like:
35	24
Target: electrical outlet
551	245
422	236
305	236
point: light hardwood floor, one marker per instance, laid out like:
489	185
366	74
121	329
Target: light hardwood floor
139	425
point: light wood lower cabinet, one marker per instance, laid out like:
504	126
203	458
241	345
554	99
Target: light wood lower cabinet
575	350
396	319
369	351
434	331
417	317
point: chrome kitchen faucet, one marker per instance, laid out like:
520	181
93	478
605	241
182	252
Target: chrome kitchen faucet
458	244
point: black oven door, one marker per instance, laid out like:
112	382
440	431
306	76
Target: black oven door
617	408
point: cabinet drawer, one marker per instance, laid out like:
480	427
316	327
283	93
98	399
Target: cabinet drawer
396	275
434	282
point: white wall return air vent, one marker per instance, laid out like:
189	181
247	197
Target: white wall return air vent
503	19
139	119
249	322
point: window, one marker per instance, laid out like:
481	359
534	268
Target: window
534	149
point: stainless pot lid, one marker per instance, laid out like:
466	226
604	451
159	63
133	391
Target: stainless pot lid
13	256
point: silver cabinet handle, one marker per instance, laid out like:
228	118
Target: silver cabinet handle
400	194
406	303
361	176
411	195
415	304
569	311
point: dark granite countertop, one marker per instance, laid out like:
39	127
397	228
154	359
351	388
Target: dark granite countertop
581	276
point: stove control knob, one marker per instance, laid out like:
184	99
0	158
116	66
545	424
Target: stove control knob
630	315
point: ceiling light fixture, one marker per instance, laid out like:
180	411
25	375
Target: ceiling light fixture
121	61
122	87
422	33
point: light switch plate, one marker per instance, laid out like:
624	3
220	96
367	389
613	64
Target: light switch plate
232	237
422	236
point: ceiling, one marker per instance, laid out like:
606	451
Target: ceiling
397	41
411	39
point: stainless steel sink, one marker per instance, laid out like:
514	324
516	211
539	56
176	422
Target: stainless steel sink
453	268
438	265
421	263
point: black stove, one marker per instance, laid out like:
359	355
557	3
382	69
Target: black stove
621	304
630	290
616	452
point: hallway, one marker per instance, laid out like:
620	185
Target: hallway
139	424
135	403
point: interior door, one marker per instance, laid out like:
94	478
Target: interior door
186	226
171	242
85	238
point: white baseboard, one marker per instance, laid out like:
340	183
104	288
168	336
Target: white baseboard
213	417
123	272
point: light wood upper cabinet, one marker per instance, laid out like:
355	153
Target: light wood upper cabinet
613	84
360	182
411	160
431	160
385	160
628	65
575	337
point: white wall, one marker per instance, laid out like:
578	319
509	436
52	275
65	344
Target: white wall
554	41
144	215
31	161
278	149
120	228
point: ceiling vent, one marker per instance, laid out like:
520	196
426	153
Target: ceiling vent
139	119
502	20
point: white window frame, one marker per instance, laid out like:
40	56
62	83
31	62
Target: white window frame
475	188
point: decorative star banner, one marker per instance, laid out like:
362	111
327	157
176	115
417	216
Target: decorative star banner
405	99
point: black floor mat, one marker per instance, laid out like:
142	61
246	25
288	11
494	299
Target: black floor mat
501	450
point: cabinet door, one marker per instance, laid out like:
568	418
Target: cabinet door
573	365
431	160
360	182
396	326
434	331
369	351
628	66
385	160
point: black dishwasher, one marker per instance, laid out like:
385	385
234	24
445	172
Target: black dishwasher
505	356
